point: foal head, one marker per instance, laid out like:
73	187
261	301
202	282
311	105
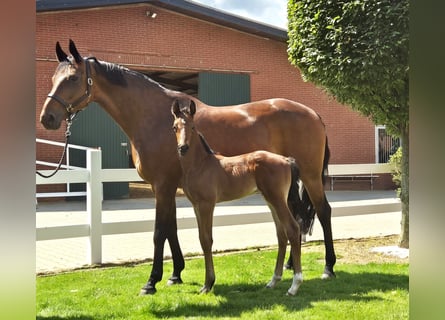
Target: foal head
183	125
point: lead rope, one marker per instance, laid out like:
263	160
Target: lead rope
69	121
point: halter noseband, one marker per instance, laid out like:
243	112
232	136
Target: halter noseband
71	106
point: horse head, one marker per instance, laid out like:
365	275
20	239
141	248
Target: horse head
183	110
71	91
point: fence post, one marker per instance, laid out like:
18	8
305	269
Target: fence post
94	205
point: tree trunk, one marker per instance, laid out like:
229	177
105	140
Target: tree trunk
404	193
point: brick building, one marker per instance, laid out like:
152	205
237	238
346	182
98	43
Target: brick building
184	46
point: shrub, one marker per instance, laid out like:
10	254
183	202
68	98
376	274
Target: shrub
396	161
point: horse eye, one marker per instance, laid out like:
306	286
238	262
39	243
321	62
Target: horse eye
73	78
175	128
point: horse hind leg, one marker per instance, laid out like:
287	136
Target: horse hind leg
178	260
287	229
293	232
282	244
331	258
323	209
296	283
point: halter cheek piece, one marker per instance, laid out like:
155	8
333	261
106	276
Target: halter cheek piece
71	106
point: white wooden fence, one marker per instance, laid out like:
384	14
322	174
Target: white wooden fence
93	175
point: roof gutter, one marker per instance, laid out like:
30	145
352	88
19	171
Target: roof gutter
181	6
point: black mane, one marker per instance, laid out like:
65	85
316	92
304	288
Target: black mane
117	74
205	144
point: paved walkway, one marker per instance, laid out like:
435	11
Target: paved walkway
349	221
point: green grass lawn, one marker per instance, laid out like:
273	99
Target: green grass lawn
360	291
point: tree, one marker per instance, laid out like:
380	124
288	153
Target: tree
357	50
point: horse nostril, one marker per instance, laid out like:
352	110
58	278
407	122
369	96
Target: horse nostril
49	121
182	149
47	118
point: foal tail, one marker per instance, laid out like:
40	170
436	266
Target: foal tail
293	198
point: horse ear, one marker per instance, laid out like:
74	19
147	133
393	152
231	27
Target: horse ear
74	52
192	108
61	55
176	110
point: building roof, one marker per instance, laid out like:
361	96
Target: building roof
186	7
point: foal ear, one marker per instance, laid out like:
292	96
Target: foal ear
176	110
192	108
61	55
74	52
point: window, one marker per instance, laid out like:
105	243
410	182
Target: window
385	145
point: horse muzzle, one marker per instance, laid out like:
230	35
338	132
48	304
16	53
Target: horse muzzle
50	121
182	149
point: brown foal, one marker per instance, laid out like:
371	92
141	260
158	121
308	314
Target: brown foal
209	178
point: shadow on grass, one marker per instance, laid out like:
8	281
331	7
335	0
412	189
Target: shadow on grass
64	318
240	298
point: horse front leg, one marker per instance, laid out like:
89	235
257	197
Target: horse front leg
204	216
165	228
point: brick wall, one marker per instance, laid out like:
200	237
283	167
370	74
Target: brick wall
125	35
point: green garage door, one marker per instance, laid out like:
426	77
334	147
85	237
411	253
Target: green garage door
93	127
219	89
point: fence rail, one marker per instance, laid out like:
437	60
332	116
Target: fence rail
66	166
93	175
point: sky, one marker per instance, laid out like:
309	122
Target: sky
273	12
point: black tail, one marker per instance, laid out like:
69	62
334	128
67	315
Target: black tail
293	198
327	156
302	208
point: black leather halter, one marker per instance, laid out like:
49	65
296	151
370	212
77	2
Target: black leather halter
71	106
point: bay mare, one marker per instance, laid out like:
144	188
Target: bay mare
209	178
141	107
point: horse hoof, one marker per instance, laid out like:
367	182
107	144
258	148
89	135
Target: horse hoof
147	290
174	280
204	290
328	275
289	293
273	282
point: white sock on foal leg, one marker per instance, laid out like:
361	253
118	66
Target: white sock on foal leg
273	282
296	282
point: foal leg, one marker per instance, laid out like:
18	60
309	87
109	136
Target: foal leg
289	265
204	216
282	244
293	234
288	229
